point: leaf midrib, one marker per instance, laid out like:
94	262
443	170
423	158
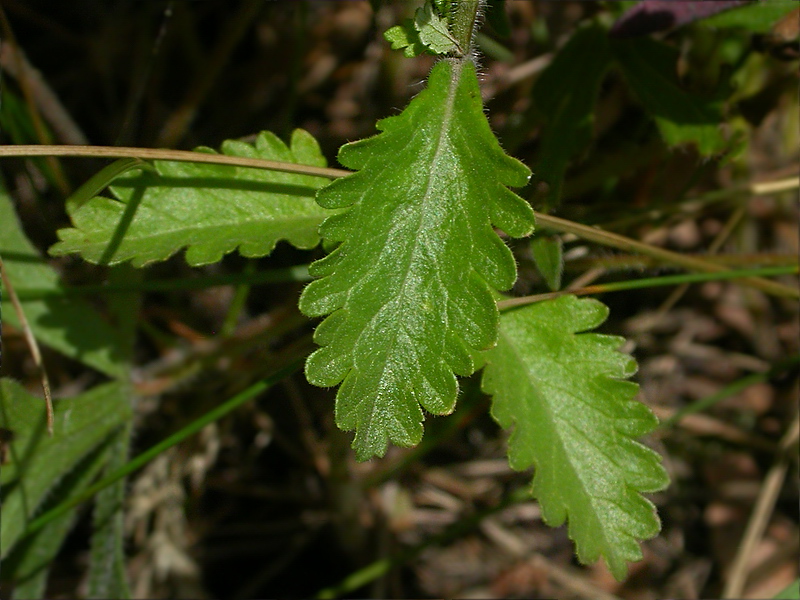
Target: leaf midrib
554	424
455	76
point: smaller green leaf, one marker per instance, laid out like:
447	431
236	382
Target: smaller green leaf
548	255
575	420
434	31
37	461
649	67
758	17
444	7
208	209
405	37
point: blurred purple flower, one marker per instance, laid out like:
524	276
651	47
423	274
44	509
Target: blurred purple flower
659	15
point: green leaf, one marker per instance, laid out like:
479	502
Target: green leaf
410	285
434	31
209	209
548	254
28	565
790	592
428	32
649	67
69	325
444	7
107	577
38	461
575	420
565	96
758	17
405	37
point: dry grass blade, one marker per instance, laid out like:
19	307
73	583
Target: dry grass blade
691	263
31	341
174	155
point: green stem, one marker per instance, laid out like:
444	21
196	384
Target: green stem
615	240
730	390
620	286
462	22
238	303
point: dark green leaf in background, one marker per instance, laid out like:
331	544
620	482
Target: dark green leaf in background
38	462
28	565
69	325
649	67
497	18
564	98
548	255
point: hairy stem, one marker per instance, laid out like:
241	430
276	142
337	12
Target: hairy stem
462	22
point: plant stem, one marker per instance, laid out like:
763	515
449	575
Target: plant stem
174	155
615	240
619	286
462	22
732	389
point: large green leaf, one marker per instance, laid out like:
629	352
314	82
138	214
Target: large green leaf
69	325
410	285
565	96
37	462
209	209
575	420
650	68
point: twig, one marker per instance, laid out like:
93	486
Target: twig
514	75
584	231
771	187
32	345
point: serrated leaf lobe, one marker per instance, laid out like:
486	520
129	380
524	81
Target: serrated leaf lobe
409	287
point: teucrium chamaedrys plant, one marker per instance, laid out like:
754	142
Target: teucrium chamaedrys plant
409	294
